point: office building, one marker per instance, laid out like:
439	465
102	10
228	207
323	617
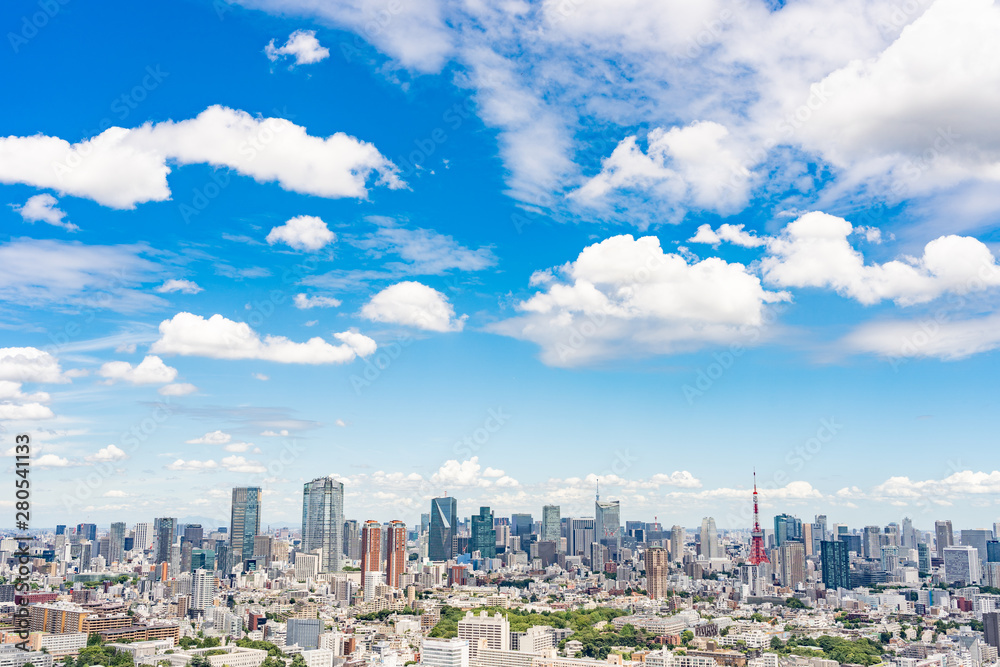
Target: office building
551	525
371	548
395	553
323	521
961	565
306	566
871	542
943	536
991	628
978	539
709	539
305	632
787	528
443	527
607	524
993	551
116	543
142	536
444	652
244	523
521	525
923	558
494	629
677	544
657	572
836	564
791	566
202	589
194	534
484	535
166	532
352	540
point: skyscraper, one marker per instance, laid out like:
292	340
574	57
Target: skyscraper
244	523
871	542
961	565
607	522
836	564
709	538
923	558
787	528
202	589
521	525
166	531
86	531
551	524
116	543
143	536
395	553
977	539
323	521
677	544
352	540
371	548
194	534
792	564
444	521
991	628
993	551
657	571
579	536
484	536
943	535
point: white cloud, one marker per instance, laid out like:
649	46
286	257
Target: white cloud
239	447
123	167
220	338
193	466
182	286
303	232
692	166
150	370
681	478
10	390
211	438
425	251
305	302
52	461
413	304
275	434
25	411
240	464
261	377
455	473
301	45
42	208
726	233
108	454
341	423
958	484
71	275
625	296
814	251
114	493
29	364
930	337
177	389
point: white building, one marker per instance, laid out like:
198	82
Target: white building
318	658
306	566
961	565
494	629
202	590
444	652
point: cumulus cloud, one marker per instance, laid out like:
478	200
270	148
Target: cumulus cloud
727	233
303	232
108	454
123	167
220	338
42	208
625	296
29	364
192	466
52	461
211	438
25	411
814	251
150	370
694	166
302	45
305	302
413	304
182	286
242	465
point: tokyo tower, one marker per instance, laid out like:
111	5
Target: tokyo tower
758	554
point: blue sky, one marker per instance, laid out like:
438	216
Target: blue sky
500	252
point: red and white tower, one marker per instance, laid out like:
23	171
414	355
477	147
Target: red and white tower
758	554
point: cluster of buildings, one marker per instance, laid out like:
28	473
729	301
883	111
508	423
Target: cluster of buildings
336	592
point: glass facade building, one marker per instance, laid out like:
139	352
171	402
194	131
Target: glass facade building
323	521
244	524
444	520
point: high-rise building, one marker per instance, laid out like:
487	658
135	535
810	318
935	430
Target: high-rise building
352	540
977	539
244	523
677	544
961	565
890	558
607	523
444	523
116	543
86	531
143	535
371	548
452	652
836	564
494	629
395	553
166	532
943	536
871	542
551	524
579	536
484	535
521	525
709	539
596	555
202	589
993	551
787	528
909	534
194	534
991	628
305	632
821	522
923	558
60	530
657	572
792	564
323	521
262	549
